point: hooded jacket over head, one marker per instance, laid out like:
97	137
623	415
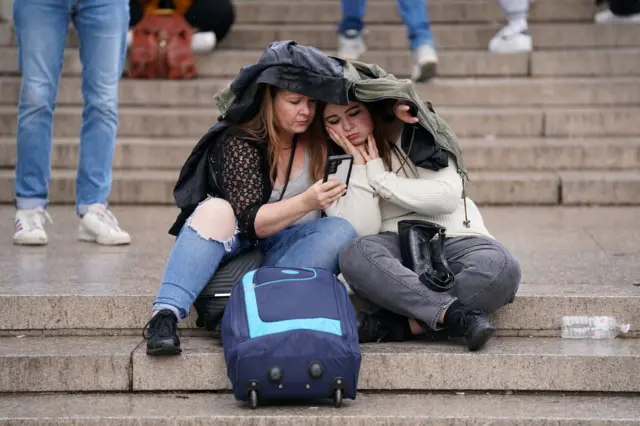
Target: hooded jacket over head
284	64
370	83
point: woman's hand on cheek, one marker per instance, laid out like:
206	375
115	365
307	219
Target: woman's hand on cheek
372	149
348	147
402	111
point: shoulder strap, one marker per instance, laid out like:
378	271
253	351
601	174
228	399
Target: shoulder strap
288	175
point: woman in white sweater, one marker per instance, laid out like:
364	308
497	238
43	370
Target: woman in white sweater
386	187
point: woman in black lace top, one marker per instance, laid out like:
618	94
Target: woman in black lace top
265	187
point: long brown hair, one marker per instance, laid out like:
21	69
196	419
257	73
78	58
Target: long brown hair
263	128
382	117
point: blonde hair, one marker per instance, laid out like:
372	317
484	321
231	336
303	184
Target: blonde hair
262	127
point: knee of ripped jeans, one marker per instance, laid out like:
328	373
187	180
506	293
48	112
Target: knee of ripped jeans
215	220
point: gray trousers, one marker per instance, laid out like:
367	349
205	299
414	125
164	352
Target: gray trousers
487	276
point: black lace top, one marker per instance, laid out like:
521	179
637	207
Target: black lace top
240	168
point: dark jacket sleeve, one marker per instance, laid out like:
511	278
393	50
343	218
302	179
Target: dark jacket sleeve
241	176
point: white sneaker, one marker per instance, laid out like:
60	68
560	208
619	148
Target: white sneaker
30	227
101	226
203	42
351	45
511	39
607	17
425	62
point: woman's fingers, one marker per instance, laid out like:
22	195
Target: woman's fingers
347	146
330	185
372	147
333	195
336	138
403	113
362	149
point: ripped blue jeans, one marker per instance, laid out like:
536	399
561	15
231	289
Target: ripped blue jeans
194	259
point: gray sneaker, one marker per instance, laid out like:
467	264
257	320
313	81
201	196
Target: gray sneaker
351	45
425	62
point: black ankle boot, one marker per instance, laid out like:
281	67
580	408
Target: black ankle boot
382	326
472	324
161	332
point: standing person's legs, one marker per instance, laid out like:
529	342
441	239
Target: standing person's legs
212	19
102	29
350	40
414	14
136	12
41	31
315	244
515	36
619	11
216	16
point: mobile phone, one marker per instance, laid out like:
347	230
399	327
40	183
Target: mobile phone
339	167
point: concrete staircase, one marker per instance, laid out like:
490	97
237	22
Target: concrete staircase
557	127
71	351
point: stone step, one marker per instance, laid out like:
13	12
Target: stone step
227	63
62	308
442	92
129	187
378	12
473	122
371	409
156	186
528	364
380	37
575	261
489	188
551	153
600	62
533	154
600	188
472	36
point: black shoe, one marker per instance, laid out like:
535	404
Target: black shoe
161	332
473	324
383	326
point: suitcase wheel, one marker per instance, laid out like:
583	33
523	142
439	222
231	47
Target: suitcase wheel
337	398
253	399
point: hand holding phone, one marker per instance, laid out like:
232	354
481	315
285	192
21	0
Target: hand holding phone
322	194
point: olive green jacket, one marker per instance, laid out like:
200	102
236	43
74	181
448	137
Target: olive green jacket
372	83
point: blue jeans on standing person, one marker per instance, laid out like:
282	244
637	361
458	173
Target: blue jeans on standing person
194	259
41	30
413	13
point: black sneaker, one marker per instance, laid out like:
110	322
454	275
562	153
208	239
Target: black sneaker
161	334
382	326
473	324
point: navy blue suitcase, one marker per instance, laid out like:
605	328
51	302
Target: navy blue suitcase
290	334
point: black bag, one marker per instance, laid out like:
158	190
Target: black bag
212	300
422	251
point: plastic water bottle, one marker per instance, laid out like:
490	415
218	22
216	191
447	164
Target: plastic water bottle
592	327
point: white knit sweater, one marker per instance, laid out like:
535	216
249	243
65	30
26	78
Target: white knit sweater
377	199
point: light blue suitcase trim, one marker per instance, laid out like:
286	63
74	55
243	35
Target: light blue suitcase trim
258	328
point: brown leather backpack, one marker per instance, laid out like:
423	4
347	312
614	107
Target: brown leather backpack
161	47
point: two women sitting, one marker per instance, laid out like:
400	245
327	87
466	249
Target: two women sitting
255	179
